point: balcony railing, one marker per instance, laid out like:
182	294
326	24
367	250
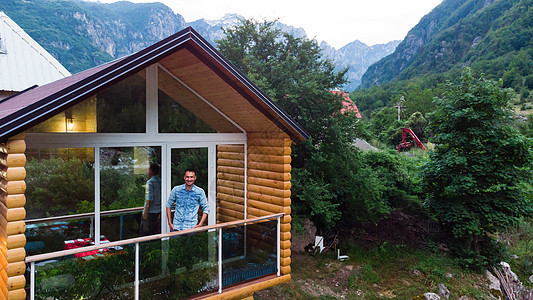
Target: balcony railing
45	235
171	265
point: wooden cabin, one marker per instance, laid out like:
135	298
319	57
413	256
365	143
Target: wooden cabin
74	156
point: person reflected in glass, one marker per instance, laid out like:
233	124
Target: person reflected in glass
152	205
188	198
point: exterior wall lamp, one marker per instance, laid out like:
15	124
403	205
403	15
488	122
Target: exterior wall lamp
69	124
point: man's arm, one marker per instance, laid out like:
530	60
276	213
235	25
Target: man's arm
148	198
169	219
205	209
146	207
202	220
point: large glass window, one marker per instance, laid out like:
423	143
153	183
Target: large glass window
174	118
59	197
125	178
79	118
120	108
182	111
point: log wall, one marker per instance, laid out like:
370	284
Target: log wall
12	214
230	183
269	184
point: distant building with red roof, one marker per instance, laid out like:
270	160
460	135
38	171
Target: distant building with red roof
347	103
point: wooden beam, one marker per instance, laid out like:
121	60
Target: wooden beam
16	173
230	184
230	156
16	227
269	175
262	190
281	201
268	207
230	177
16	241
274	159
230	191
277	184
19	294
281	168
16	268
16	282
245	289
279	151
230	163
230	148
231	170
230	198
16	214
13	201
285	270
15	255
16	146
16	160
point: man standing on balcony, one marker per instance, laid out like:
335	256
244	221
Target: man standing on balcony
152	206
188	198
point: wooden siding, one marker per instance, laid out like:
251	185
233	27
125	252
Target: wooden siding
230	183
12	214
269	183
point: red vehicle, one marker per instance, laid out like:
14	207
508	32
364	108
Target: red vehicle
405	144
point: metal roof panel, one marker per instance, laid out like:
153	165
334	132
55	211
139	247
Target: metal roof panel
23	62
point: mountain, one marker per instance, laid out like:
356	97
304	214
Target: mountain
212	31
494	37
82	34
357	56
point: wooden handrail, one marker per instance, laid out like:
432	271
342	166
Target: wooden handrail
84	215
57	254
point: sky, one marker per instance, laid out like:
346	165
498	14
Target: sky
338	22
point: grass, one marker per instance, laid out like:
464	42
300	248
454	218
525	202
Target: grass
520	242
380	272
389	271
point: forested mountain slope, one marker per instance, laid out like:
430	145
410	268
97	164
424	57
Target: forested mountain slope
82	34
494	37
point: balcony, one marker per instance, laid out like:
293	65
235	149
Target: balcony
195	263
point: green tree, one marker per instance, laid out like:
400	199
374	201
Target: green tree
418	124
473	179
328	183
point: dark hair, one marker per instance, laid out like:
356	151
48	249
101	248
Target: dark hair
156	169
190	170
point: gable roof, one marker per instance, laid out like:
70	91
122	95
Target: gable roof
23	62
188	57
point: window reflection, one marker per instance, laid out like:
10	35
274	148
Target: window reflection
59	197
124	172
120	108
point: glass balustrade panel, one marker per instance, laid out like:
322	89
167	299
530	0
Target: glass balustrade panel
249	252
104	274
179	267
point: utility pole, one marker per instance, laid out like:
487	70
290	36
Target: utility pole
400	106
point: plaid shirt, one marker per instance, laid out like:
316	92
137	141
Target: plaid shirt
187	204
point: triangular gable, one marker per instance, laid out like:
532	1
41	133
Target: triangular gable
224	86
